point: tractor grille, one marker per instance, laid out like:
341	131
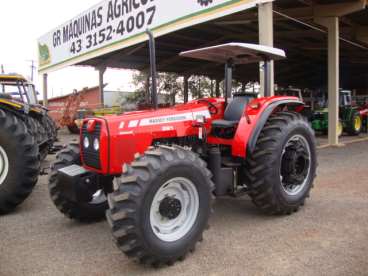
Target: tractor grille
91	157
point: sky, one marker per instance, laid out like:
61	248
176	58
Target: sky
22	22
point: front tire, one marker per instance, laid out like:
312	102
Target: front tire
281	170
92	210
355	125
161	205
19	162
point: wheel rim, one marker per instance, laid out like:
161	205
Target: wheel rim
357	123
98	197
4	165
295	165
339	129
174	209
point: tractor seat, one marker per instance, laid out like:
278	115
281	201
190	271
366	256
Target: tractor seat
224	124
233	111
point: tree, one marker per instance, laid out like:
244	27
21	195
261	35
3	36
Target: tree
171	86
200	87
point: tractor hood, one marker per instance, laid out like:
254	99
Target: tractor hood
120	137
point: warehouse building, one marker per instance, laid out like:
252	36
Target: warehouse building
326	43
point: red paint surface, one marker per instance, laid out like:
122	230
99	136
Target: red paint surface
121	139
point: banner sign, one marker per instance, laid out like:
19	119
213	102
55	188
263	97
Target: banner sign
115	24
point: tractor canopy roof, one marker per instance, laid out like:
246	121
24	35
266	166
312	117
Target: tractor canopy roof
12	79
238	53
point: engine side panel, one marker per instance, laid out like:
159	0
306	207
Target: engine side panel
125	135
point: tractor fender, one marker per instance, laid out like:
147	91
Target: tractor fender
263	119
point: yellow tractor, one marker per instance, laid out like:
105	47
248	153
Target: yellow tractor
27	134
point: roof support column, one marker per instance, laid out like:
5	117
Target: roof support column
265	22
186	88
332	24
45	86
333	79
218	88
101	72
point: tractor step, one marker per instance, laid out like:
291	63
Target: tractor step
231	163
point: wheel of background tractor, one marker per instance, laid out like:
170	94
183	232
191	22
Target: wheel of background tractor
54	128
51	129
91	210
42	139
354	127
19	163
38	134
281	170
161	205
73	129
340	129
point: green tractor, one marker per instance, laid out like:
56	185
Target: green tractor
27	134
350	119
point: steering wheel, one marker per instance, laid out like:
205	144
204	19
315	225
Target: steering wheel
212	108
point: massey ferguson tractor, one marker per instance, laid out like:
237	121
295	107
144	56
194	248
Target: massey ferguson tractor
156	173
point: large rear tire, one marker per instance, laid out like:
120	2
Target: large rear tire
52	130
19	162
161	205
281	170
92	210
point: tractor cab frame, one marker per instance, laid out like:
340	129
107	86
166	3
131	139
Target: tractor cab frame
13	86
345	98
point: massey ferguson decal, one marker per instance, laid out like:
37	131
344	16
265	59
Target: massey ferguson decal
167	119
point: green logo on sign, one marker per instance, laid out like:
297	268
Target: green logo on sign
44	54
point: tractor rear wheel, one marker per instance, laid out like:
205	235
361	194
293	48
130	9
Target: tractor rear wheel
91	210
354	127
52	130
161	205
281	170
19	162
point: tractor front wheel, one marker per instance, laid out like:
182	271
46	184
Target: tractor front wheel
91	209
19	162
281	170
355	125
161	205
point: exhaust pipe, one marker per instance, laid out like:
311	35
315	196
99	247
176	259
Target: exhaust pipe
152	50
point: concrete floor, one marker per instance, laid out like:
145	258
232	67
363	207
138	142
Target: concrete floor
322	140
329	236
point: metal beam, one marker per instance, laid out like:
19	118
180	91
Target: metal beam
101	72
332	24
45	86
218	88
338	10
186	88
361	34
265	21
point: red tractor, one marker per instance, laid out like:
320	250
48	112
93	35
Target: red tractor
156	173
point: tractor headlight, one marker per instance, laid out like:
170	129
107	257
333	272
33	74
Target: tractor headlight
96	144
86	142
